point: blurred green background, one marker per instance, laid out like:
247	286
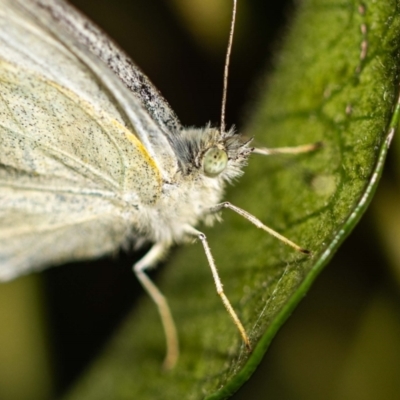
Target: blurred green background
343	341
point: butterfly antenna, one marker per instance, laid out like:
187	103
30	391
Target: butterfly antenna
226	67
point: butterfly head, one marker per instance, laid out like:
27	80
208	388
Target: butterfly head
208	152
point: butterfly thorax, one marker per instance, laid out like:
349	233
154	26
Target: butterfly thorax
207	161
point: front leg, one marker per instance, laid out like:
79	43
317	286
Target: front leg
255	221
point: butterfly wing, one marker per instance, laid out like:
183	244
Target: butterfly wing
74	169
70	26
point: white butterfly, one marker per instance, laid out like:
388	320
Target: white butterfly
92	158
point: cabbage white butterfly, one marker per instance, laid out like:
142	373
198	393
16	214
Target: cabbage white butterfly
92	158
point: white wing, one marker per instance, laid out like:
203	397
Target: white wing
73	168
70	26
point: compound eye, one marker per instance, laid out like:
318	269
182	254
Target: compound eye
215	161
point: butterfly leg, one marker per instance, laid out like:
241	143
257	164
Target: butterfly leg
219	286
255	221
304	148
150	259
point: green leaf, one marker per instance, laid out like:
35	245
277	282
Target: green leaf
336	82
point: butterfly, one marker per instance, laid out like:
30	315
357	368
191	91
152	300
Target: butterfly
93	158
